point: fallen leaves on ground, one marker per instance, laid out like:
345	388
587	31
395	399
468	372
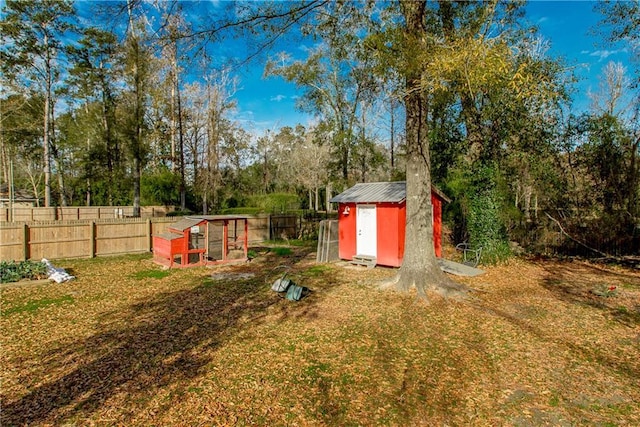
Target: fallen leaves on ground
215	346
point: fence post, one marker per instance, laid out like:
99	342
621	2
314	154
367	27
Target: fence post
92	239
25	241
149	241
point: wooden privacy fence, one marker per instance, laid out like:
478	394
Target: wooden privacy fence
28	213
91	238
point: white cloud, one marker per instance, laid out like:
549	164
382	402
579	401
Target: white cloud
277	98
604	54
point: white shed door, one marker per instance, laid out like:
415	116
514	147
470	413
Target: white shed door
366	236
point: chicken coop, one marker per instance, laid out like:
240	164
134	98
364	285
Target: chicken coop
203	240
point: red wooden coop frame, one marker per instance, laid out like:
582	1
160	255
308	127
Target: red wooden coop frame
203	240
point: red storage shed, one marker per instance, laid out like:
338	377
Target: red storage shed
372	220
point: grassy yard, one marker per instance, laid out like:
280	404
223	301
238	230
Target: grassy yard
542	343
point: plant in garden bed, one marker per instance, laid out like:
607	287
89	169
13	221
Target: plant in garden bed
604	290
281	251
11	271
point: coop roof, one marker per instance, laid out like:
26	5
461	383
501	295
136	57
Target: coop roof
170	236
373	192
185	223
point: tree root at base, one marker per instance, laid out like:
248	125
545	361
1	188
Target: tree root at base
443	286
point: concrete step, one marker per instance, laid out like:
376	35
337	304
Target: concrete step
366	260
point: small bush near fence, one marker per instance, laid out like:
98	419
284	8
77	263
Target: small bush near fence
11	271
242	211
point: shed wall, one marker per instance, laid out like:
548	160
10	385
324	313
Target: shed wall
436	202
347	230
391	231
390	228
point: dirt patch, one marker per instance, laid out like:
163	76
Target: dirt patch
25	283
232	276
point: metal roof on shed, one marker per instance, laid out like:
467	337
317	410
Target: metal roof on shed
374	192
393	192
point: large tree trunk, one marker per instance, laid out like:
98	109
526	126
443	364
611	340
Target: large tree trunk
46	152
183	185
470	114
56	156
136	186
419	266
108	119
474	130
633	180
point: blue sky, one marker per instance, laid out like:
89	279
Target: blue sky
571	27
566	25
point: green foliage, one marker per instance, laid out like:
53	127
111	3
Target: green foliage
281	251
274	202
180	213
160	188
606	155
480	211
622	21
241	211
485	223
11	271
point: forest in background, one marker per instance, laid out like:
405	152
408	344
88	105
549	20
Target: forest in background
110	114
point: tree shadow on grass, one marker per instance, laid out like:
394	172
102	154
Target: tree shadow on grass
607	359
151	345
615	292
573	283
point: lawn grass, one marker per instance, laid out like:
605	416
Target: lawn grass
125	345
150	274
32	306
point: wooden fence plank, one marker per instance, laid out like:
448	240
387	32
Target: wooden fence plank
62	213
57	239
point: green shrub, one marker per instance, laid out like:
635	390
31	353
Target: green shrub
160	188
241	211
274	202
280	251
485	223
480	213
11	271
180	213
